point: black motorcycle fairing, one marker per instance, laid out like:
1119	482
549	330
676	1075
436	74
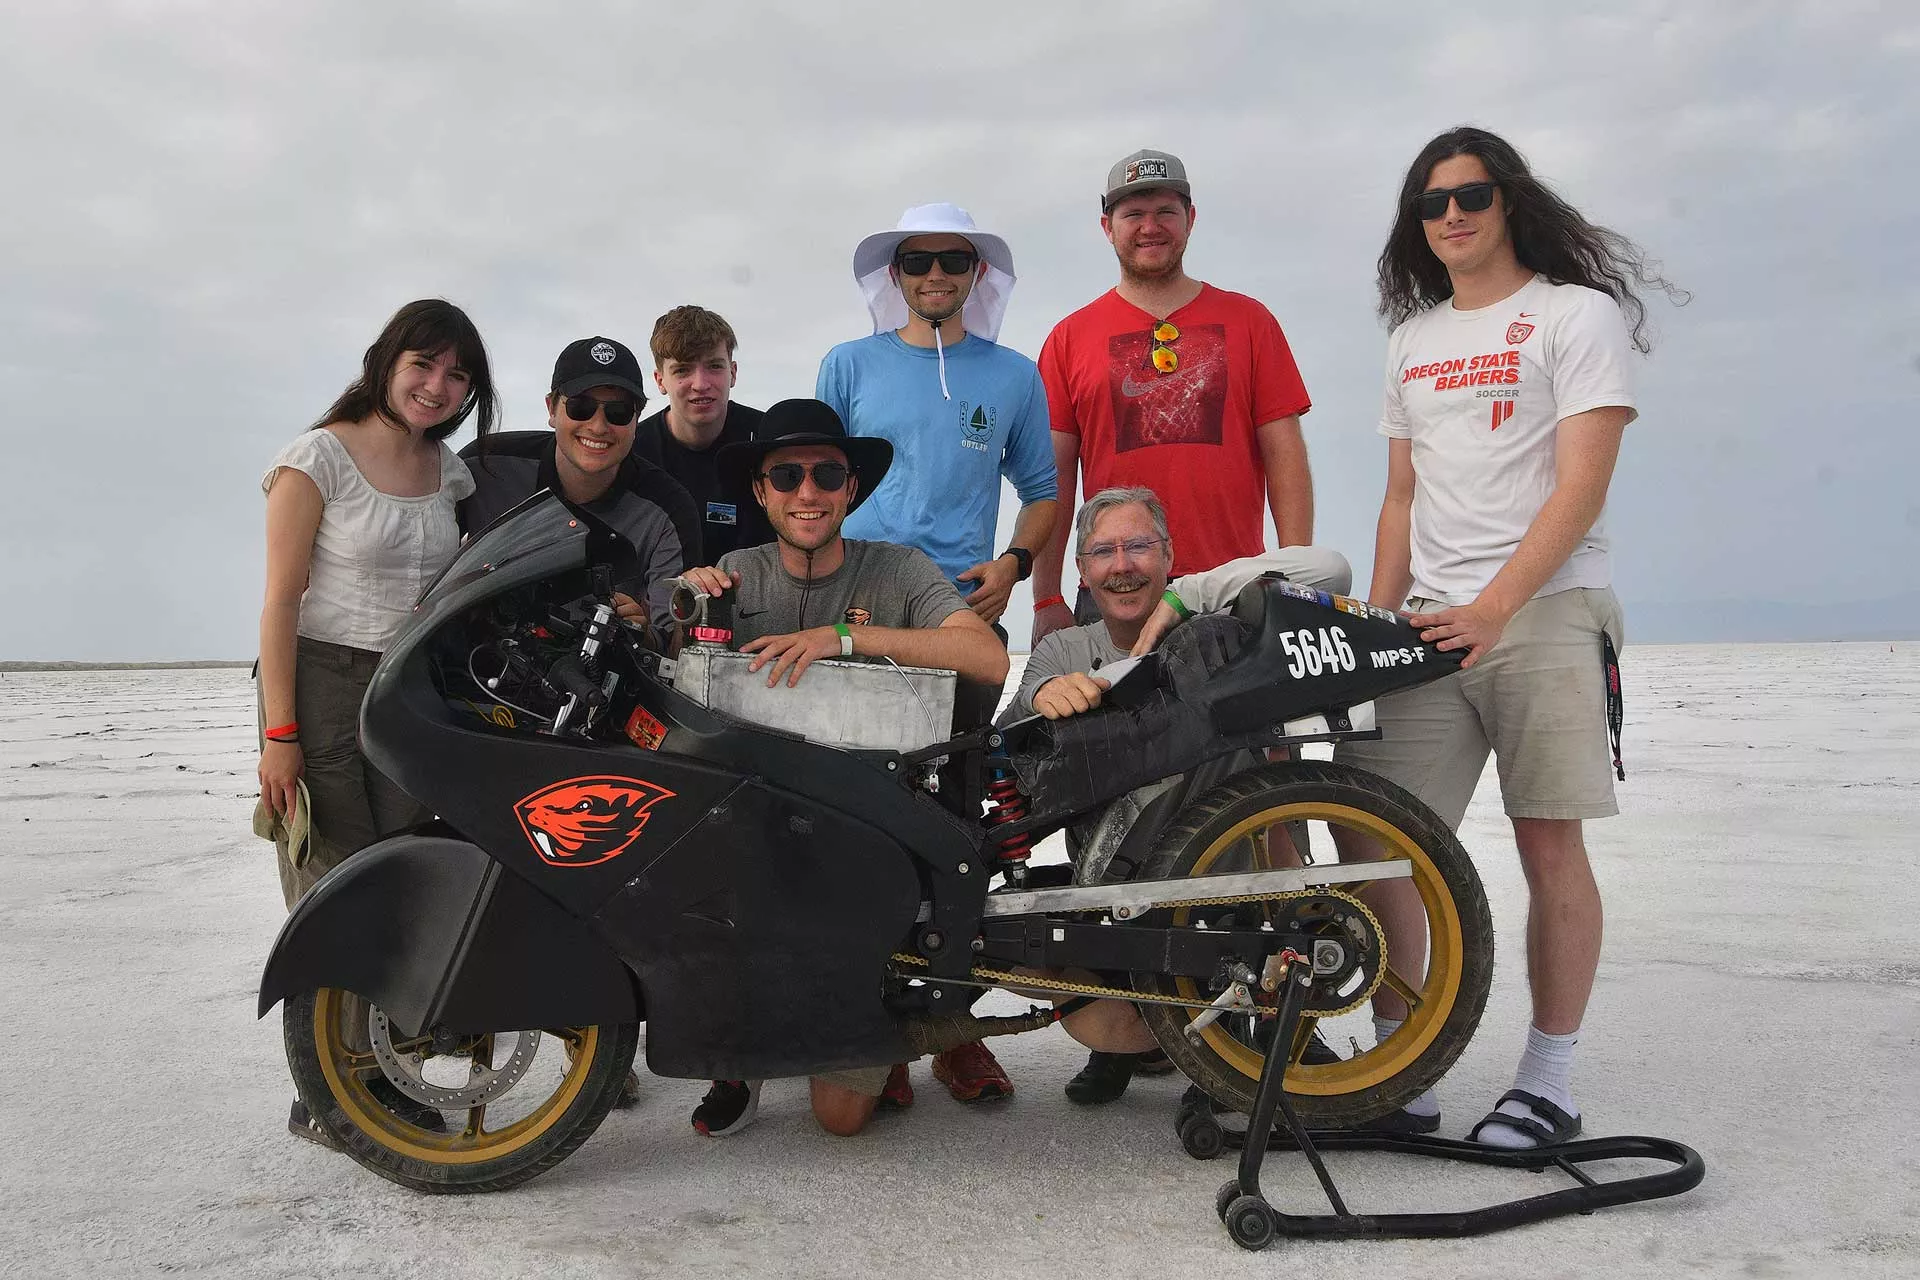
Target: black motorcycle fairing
1226	682
437	934
1310	653
761	940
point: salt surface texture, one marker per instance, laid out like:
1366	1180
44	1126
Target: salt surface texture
1759	998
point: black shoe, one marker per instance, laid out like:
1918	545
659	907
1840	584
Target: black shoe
1104	1078
729	1107
1318	1052
1154	1062
302	1125
417	1114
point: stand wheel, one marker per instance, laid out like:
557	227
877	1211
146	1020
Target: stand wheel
1250	1222
1202	1136
1226	1195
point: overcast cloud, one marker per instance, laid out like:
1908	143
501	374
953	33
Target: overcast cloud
212	208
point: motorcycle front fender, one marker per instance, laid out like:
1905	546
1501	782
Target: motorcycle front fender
437	934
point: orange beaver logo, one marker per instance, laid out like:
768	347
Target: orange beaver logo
583	821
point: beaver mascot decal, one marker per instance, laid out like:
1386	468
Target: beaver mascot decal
584	821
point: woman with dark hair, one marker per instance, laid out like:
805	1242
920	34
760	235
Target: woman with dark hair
360	517
1508	390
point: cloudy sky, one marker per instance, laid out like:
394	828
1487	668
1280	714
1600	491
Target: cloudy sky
213	208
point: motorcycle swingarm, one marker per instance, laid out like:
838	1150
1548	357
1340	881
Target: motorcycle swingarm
1040	943
1135	898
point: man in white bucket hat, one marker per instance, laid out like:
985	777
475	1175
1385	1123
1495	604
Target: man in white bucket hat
961	412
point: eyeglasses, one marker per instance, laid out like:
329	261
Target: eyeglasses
917	262
1164	357
1474	197
828	477
582	407
1101	552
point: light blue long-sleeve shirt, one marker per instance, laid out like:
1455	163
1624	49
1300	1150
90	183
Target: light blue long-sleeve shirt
942	493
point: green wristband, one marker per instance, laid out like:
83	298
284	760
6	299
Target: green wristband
1178	605
846	639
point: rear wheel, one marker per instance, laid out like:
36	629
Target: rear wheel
511	1104
1337	1075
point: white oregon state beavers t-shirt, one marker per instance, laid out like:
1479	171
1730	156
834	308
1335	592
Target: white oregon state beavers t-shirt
1480	394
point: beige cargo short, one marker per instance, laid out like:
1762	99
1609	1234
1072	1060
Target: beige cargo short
1537	701
869	1082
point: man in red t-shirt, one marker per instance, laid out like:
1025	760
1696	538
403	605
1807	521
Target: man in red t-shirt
1168	383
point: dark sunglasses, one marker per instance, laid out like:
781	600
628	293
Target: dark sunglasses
1475	197
917	262
828	477
582	407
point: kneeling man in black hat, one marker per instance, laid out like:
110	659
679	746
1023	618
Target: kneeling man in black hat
814	594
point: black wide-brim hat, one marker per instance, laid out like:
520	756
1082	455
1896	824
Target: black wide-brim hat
791	424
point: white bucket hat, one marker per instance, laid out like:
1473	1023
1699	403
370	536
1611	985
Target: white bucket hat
986	306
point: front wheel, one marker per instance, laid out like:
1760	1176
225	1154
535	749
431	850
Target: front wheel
451	1113
1288	814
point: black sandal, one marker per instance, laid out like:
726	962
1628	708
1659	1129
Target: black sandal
1547	1126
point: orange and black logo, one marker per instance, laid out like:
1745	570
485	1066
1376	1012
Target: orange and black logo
858	617
584	821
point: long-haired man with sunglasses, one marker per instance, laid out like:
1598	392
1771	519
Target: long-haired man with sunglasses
1169	382
595	396
811	594
1508	391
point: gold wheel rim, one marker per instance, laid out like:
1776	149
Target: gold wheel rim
347	1072
1446	957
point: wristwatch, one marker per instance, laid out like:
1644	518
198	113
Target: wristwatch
1022	557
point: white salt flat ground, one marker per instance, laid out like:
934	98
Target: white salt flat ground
1759	998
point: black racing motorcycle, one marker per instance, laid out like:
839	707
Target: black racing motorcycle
610	851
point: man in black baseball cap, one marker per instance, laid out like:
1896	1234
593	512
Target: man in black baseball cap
596	395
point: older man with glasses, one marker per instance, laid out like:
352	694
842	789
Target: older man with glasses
1125	555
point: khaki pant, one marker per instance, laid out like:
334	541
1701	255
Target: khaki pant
1537	701
354	804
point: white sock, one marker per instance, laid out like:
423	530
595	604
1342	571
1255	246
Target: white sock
1545	1069
1424	1105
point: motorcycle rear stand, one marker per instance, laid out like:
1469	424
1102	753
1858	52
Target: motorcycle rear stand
1253	1223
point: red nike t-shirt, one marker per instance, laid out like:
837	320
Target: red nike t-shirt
1187	434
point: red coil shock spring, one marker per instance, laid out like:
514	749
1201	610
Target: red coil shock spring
1009	806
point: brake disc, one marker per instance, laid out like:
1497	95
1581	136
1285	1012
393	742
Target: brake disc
485	1082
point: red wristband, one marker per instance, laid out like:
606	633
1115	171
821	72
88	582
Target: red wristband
291	727
1048	603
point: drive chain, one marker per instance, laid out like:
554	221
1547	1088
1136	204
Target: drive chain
981	976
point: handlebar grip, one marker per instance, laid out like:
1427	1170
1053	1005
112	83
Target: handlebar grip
568	676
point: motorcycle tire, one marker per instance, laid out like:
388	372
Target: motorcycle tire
338	1081
1205	838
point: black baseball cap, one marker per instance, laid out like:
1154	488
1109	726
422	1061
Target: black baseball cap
597	362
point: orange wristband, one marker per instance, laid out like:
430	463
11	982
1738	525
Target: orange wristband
1048	603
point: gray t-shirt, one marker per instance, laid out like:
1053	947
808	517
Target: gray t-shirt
879	584
1071	649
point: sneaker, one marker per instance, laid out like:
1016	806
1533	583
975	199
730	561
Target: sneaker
302	1125
729	1107
417	1114
971	1074
629	1091
1104	1078
898	1093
